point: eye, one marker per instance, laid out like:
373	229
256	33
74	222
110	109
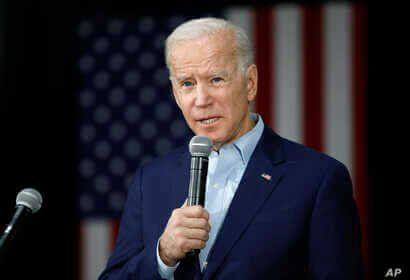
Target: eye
187	84
217	80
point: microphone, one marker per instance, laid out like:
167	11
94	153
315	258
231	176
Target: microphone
200	147
28	201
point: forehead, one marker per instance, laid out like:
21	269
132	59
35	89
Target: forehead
208	53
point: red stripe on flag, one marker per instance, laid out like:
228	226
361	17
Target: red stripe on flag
263	34
312	77
359	122
115	226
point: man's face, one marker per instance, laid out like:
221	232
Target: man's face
210	89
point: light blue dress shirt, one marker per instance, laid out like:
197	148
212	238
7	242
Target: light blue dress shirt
225	170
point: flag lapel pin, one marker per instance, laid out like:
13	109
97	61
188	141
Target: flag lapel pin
267	177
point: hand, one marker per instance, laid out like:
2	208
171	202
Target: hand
187	229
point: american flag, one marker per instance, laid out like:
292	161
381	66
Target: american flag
312	88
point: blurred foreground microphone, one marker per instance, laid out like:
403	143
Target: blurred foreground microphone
200	147
28	201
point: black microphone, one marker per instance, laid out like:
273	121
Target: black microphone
28	201
200	147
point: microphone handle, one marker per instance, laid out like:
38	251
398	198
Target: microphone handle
197	186
197	183
21	211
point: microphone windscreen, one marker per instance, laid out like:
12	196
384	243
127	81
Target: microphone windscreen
30	198
200	146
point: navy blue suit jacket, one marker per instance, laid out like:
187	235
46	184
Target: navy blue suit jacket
300	224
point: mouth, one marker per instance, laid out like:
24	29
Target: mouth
208	121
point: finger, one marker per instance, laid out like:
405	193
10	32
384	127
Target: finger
199	223
195	212
195	233
191	244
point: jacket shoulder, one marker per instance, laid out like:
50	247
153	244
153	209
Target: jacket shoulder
298	152
166	161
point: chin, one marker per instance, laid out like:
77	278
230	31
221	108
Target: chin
217	134
214	138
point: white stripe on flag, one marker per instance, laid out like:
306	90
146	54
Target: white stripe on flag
287	58
243	18
96	246
337	88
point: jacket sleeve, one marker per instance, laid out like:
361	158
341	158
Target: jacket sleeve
132	258
334	234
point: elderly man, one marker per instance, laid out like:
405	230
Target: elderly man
274	209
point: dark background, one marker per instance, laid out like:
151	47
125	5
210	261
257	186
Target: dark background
38	141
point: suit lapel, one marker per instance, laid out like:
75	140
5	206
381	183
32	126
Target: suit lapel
253	190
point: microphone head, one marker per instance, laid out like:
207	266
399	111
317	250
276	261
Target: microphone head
200	146
30	198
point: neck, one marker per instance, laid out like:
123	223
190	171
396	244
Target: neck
250	123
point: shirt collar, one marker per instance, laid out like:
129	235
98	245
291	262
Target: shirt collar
245	145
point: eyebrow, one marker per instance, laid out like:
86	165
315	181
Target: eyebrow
181	78
185	77
219	73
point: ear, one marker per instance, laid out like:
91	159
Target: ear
252	82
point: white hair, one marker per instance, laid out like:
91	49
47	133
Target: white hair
196	28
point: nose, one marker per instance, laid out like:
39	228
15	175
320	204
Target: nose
202	97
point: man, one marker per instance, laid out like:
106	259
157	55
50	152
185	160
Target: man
274	209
